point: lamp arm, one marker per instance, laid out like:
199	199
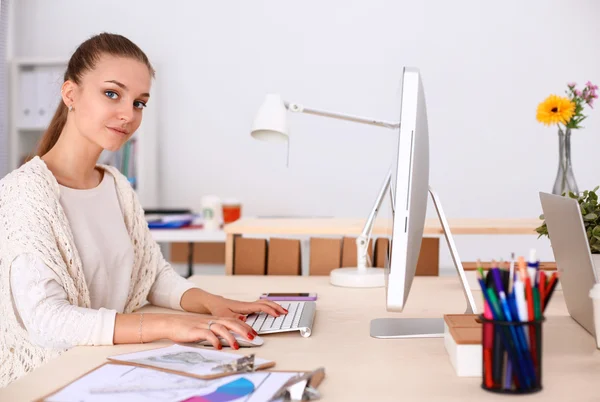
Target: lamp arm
294	107
362	241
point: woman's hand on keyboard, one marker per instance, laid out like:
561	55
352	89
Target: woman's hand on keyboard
188	328
223	307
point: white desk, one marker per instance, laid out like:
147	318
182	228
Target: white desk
358	367
190	236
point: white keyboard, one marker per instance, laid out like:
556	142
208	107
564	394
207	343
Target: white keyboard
300	317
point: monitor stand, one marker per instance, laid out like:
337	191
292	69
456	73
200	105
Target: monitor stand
426	327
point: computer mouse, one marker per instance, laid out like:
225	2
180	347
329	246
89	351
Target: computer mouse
242	341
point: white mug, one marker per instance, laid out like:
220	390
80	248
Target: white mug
211	212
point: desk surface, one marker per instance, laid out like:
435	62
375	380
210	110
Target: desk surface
358	367
353	226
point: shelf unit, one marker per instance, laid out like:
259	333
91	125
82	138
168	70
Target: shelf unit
34	88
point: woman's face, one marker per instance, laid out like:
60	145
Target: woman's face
108	103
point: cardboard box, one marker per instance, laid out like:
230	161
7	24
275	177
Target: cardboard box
349	251
250	256
382	245
204	253
429	256
325	255
284	257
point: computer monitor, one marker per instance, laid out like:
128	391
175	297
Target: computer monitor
409	185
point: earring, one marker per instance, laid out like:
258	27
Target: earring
70	108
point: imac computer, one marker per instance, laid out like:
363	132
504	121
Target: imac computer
407	183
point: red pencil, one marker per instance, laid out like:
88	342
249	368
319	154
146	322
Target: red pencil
542	286
487	356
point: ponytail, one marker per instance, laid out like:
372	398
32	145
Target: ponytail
53	131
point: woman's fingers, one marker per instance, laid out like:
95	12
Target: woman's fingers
222	331
201	333
268	309
239	327
273	305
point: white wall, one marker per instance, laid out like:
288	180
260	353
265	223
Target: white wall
485	67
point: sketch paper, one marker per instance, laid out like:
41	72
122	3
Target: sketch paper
184	359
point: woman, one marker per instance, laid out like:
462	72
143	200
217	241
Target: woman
76	255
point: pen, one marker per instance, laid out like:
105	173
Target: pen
542	286
532	267
550	288
497	343
514	311
488	331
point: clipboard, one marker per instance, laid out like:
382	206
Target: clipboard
288	391
240	364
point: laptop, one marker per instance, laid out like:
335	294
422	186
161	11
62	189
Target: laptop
572	255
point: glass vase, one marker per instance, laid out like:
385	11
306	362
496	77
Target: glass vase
565	179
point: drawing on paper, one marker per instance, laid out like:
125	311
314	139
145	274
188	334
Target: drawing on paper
186	361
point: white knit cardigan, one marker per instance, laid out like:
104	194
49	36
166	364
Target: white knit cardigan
32	221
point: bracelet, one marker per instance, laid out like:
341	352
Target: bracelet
141	326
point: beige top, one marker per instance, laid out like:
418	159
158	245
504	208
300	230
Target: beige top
100	236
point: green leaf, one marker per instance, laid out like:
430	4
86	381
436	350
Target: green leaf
590	217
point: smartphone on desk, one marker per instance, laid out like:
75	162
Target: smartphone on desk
289	296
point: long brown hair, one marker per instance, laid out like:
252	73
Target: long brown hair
84	59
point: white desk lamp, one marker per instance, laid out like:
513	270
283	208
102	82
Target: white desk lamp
270	124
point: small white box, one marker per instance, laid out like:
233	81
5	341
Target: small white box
463	344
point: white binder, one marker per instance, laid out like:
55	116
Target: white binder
39	94
49	81
27	95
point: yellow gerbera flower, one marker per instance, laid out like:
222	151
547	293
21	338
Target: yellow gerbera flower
555	109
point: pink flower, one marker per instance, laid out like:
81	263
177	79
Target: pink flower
578	93
571	84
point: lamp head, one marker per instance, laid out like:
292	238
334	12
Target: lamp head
270	123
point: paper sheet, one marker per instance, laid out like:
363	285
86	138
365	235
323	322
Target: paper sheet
186	359
120	383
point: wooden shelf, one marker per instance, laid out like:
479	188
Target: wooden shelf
472	266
